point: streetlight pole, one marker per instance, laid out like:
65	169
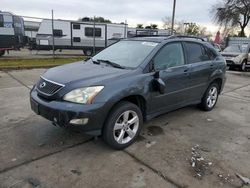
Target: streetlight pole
53	37
173	15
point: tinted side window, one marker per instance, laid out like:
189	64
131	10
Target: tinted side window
1	21
57	32
170	55
89	32
196	52
76	26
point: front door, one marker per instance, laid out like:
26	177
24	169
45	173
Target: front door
173	70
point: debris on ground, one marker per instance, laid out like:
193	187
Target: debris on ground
76	172
150	143
166	123
154	131
13	160
208	119
33	181
41	144
245	180
199	163
225	178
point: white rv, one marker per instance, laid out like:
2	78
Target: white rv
78	35
11	32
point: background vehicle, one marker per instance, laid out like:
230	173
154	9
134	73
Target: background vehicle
78	35
11	32
129	82
237	55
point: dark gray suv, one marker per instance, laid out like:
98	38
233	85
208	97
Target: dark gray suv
131	81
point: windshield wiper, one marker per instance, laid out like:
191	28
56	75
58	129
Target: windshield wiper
93	61
116	65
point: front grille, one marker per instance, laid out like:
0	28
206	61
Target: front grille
48	87
229	62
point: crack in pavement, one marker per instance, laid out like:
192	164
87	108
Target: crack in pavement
239	98
235	89
19	81
47	155
166	178
160	174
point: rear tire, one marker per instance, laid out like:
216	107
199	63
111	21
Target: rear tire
243	66
123	125
210	97
2	52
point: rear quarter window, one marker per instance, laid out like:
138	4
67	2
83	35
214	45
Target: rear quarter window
196	52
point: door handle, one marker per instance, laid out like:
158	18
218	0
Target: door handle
186	72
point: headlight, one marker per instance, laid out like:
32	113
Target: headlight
83	95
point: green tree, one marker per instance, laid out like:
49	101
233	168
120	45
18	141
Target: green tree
192	29
148	27
232	13
96	19
154	26
139	26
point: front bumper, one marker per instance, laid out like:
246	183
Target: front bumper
62	112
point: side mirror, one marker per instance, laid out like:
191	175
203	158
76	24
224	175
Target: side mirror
159	83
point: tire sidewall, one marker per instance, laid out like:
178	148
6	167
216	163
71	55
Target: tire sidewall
204	99
111	120
241	68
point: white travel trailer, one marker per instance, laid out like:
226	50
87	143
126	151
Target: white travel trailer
11	32
78	35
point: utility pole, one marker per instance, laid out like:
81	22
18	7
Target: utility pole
125	29
94	38
173	15
53	38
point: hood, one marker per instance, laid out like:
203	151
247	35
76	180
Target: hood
84	72
230	54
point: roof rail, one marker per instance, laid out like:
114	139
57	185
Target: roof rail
186	36
150	35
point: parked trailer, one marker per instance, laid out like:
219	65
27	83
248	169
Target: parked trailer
78	35
11	32
238	41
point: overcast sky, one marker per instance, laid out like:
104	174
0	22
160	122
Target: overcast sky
134	11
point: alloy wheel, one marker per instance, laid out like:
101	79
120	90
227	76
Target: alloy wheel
126	127
212	97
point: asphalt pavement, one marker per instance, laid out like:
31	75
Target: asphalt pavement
34	153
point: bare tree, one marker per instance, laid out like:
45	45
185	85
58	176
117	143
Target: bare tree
167	21
232	13
178	26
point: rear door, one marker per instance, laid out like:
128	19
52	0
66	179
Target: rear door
173	70
201	68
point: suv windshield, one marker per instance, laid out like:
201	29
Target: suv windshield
236	49
128	54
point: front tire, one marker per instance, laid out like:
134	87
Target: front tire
210	98
123	125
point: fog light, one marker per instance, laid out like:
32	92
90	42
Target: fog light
81	121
